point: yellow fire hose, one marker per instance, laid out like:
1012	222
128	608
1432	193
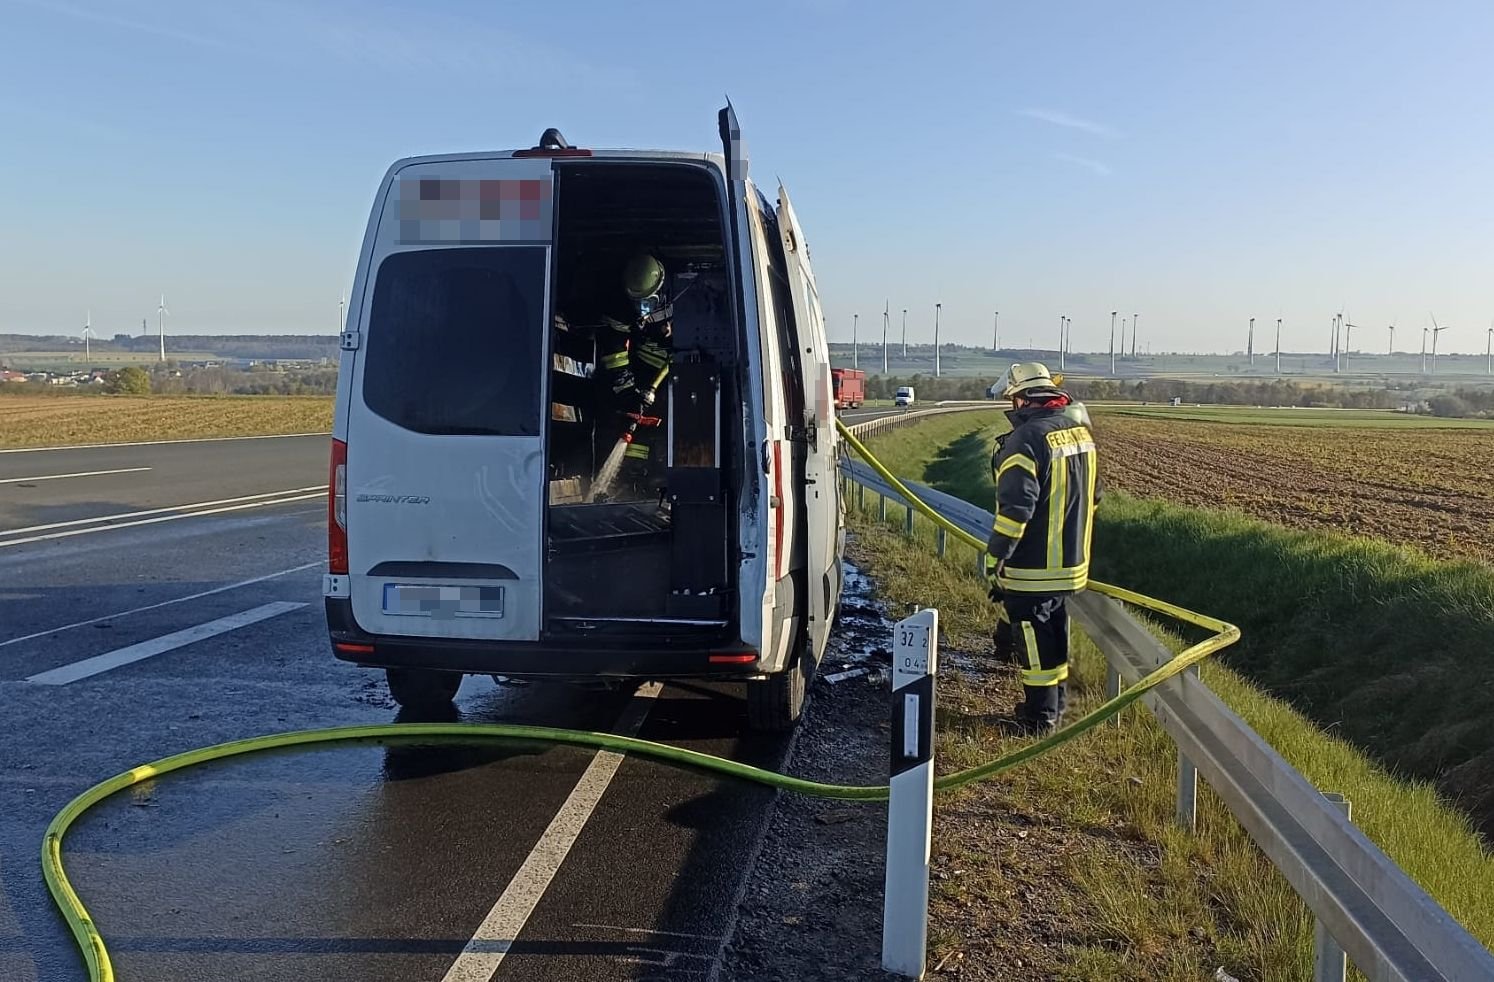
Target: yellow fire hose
96	954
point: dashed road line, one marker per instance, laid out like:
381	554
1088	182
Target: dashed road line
482	956
110	660
164	603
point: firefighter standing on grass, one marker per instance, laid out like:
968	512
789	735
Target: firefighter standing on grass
1047	486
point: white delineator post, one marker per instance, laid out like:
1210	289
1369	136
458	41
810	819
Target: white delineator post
910	804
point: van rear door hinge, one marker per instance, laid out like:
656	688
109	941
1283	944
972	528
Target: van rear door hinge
349	340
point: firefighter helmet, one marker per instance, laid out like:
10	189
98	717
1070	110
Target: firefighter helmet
1026	377
643	276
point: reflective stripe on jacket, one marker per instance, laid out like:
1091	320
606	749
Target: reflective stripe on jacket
1046	473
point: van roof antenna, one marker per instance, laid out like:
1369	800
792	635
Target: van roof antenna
552	140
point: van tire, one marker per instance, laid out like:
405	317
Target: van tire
420	688
774	704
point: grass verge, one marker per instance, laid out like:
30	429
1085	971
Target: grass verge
50	421
1163	903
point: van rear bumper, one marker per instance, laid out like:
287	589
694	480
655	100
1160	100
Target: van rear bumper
560	658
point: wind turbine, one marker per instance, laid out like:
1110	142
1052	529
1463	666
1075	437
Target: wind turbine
88	338
886	310
1250	343
1489	353
905	334
1278	346
1134	318
1063	340
1392	338
855	348
1436	330
1112	342
1348	340
1424	331
936	339
996	332
161	313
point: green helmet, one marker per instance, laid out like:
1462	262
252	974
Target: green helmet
643	276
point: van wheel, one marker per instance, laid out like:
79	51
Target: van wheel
774	704
420	688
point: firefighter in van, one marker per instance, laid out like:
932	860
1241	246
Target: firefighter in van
634	348
1047	486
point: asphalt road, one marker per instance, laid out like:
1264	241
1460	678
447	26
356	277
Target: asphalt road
175	602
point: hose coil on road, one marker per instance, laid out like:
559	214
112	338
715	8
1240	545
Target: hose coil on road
96	953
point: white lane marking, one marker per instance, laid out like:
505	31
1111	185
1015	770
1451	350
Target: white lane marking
59	477
160	443
163	603
148	649
156	511
481	956
162	518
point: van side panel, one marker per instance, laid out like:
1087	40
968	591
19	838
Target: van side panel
783	520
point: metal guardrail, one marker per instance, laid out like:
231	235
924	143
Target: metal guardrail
1365	905
896	419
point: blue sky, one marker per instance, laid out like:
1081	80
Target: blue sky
1200	163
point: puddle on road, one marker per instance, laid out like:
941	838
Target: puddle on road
863	634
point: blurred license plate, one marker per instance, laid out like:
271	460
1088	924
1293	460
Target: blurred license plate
443	601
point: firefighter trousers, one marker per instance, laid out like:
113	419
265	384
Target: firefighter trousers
1040	637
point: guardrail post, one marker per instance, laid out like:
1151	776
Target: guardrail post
1112	688
881	507
908	521
940	541
861	497
910	801
1187	782
1329	963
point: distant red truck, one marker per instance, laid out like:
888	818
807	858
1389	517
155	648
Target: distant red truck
850	387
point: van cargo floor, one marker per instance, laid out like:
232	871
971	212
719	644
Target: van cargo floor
603	526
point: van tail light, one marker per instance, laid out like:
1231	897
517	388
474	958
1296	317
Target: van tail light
337	510
732	657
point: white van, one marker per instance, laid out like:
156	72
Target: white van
903	396
468	533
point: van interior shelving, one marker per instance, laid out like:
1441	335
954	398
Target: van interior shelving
652	545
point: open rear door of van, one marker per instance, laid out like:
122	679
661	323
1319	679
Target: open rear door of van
760	525
446	418
826	527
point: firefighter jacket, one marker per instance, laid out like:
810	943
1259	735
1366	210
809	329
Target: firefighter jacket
1047	487
633	355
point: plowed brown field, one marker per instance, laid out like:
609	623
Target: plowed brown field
43	421
1429	488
